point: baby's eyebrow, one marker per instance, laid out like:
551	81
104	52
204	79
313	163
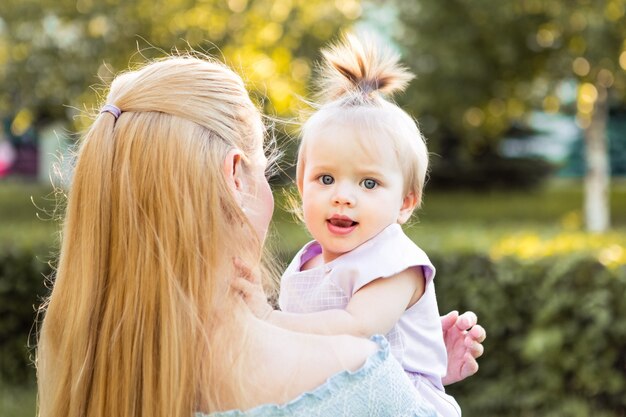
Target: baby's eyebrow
363	172
323	167
371	171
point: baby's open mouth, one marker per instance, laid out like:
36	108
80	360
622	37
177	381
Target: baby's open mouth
342	222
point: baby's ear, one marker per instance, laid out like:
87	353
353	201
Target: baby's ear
408	205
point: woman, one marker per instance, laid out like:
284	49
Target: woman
168	187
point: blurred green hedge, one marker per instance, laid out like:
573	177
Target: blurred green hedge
556	328
22	288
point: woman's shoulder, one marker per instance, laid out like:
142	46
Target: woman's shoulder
350	352
283	364
312	359
375	387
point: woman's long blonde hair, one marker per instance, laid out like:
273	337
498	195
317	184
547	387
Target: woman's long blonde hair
141	320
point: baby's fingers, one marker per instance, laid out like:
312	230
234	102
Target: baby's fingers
243	286
478	333
243	270
466	320
254	297
474	348
449	320
470	367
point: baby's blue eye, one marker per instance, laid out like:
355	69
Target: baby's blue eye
369	183
326	179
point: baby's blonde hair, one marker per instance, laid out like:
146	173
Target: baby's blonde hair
141	320
355	77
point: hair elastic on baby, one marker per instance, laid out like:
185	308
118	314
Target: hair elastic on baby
110	108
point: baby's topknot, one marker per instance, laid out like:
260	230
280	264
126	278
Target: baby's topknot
360	66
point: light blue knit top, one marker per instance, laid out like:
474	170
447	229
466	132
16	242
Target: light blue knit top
379	388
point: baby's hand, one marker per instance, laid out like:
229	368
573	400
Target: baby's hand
251	290
463	339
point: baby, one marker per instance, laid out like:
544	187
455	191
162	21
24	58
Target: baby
361	169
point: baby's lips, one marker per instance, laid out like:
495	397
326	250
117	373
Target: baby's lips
341	221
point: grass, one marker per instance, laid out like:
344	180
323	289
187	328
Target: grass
17	401
26	213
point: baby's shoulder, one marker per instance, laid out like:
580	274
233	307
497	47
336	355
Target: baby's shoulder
313	262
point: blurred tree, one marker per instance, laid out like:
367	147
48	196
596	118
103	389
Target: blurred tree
52	50
483	64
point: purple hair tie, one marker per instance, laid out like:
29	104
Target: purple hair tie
110	108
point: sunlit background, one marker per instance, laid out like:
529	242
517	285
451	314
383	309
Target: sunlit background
523	103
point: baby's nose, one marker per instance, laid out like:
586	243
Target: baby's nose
343	197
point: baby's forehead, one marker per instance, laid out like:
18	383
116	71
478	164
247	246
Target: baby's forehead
367	137
350	148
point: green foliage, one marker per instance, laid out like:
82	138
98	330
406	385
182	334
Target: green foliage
51	51
556	342
499	59
490	171
21	290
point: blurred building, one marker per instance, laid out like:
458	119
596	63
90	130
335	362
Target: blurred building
38	155
557	139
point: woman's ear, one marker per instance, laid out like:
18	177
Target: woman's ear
408	205
233	170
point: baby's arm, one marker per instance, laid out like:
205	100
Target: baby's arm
373	309
462	335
